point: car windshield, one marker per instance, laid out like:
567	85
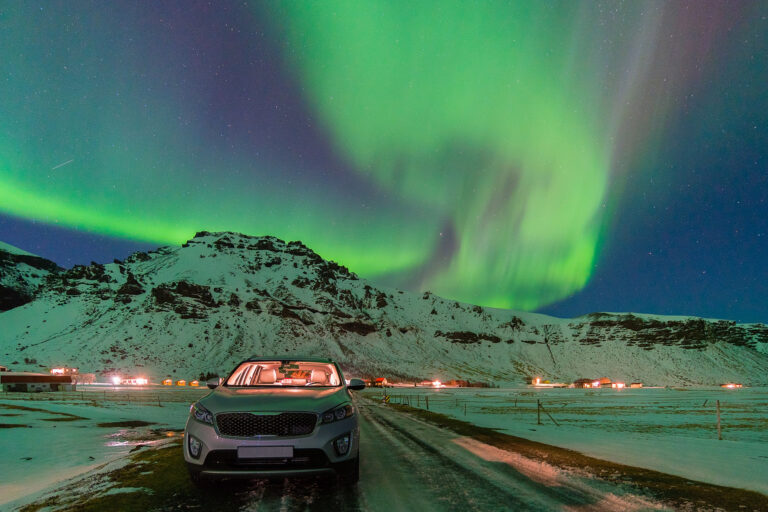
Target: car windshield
284	373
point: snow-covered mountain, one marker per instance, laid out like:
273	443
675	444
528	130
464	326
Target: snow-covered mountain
223	297
21	274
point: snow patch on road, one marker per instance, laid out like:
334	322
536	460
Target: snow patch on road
547	474
537	471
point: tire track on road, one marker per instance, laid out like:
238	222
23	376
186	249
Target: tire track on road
511	482
447	484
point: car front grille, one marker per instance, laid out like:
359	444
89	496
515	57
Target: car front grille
246	424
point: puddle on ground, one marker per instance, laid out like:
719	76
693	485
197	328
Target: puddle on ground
131	437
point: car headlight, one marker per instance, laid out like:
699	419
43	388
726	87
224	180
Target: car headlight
338	413
201	414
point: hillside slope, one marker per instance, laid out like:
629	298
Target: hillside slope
222	297
21	274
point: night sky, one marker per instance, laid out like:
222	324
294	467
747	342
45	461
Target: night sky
563	157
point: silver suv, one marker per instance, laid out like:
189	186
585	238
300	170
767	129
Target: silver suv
275	417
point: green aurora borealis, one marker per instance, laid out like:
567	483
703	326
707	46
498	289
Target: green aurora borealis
479	144
464	108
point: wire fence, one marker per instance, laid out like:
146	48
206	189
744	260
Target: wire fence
652	410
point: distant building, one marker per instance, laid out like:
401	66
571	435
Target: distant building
537	382
181	382
26	382
732	385
635	385
64	371
583	383
194	383
3	369
168	382
379	382
135	381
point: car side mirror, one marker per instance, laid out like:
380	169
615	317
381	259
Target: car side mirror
356	384
213	383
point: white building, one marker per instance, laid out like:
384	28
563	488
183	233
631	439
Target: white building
27	382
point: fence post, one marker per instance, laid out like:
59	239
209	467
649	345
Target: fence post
719	432
427	399
465	408
538	412
418	400
550	416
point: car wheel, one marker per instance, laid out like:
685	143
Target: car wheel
350	472
197	479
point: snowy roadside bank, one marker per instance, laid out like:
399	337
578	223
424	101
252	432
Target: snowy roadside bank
668	430
550	465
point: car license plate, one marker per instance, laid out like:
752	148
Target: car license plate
265	452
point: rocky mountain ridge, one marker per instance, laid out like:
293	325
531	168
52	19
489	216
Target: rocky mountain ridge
222	297
21	275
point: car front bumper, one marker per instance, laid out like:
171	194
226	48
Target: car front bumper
314	454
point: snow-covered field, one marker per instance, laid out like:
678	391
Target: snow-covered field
49	437
672	430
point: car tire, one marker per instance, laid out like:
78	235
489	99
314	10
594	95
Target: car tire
349	474
197	479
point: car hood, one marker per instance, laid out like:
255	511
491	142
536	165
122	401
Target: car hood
277	399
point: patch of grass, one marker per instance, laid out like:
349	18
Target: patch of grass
12	425
678	491
126	424
21	408
46	411
66	418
